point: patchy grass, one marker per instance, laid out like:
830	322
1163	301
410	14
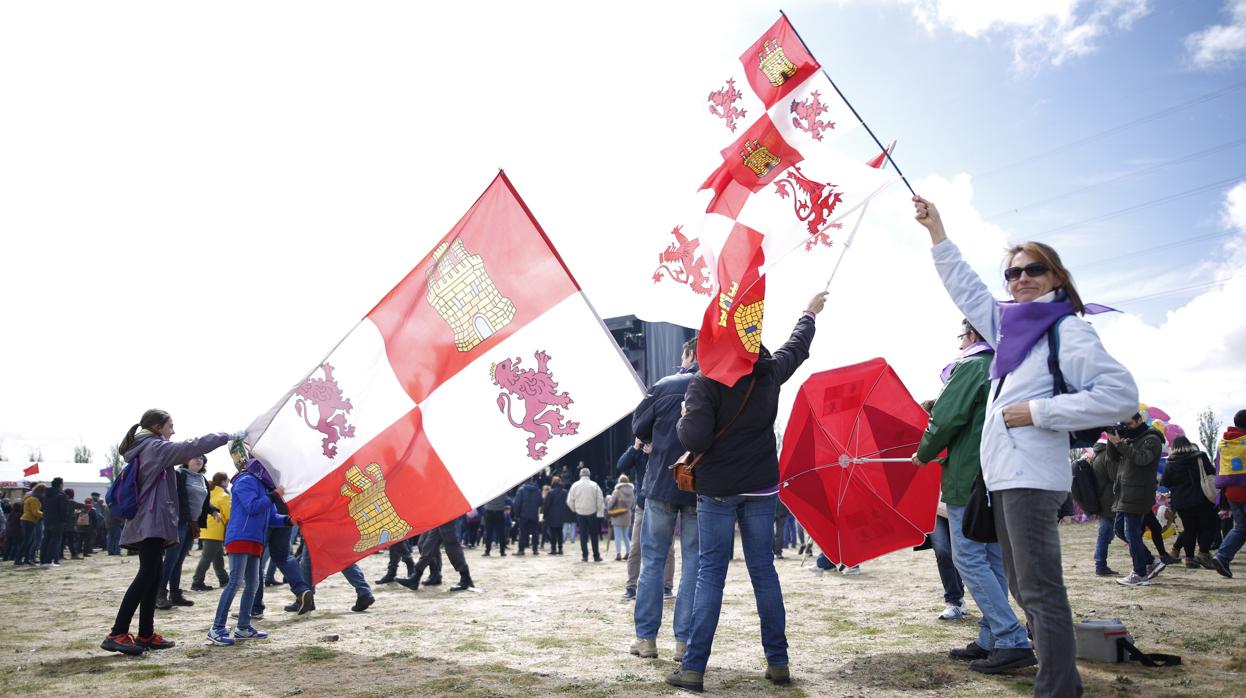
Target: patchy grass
316	653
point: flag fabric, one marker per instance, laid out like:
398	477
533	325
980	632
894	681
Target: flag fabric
779	183
483	365
106	471
32	470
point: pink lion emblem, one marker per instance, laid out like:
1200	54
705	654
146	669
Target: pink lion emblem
808	111
325	394
722	104
539	392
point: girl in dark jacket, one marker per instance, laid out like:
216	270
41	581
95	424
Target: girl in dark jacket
1183	476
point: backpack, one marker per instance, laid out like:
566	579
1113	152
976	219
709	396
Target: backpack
84	519
1085	489
1082	438
124	494
1208	482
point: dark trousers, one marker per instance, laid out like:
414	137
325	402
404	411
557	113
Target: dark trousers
13	544
555	537
86	542
473	532
530	532
214	557
780	522
278	551
174	556
589	529
141	595
400	552
430	544
51	545
69	539
1200	526
495	530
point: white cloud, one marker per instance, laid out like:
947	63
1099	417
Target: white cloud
1220	45
1039	31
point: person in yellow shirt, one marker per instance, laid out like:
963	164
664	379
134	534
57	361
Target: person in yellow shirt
213	535
32	525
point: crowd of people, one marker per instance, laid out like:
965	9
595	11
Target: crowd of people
1029	373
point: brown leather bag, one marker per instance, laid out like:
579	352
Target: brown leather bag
685	467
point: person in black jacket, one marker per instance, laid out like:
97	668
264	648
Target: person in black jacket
56	512
554	508
737	481
193	511
1183	476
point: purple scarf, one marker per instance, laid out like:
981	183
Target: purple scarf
1022	324
971	350
257	469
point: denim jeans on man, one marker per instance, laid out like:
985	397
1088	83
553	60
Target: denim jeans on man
716	522
352	573
30	539
1131	526
174	555
244	570
656	535
1107	529
278	551
1233	539
113	540
981	567
941	542
53	546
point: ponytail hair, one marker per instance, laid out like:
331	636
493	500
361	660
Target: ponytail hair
149	420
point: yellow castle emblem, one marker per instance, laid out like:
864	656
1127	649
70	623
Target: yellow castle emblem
774	63
372	511
758	158
460	290
747	318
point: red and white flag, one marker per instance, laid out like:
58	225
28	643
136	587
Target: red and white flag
485	364
32	470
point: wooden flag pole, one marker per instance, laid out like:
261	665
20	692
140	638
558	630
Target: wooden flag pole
852	108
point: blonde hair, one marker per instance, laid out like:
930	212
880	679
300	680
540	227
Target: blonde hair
623	479
1045	254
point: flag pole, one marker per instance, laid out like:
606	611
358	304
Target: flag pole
850	107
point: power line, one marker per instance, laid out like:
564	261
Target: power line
1168	111
1148	204
1144	170
1155	248
1177	291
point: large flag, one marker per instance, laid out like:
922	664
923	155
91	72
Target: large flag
779	185
483	365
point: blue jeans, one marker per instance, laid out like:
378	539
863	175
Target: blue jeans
278	551
941	541
30	539
981	567
622	539
113	540
657	531
244	569
1107	527
171	581
1233	539
716	522
568	532
353	575
1138	551
53	547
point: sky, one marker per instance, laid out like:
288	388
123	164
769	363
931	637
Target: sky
198	201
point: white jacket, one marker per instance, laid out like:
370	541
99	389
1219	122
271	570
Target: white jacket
1037	456
585	498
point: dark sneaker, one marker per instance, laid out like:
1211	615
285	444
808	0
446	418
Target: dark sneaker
201	587
389	577
969	653
778	675
1222	567
177	599
362	603
292	607
1106	572
123	643
1168	559
306	602
1204	560
687	680
629	595
1002	660
432	582
1190	564
463	585
411	583
163	603
156	642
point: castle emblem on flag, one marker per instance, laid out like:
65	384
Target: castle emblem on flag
460	290
541	399
372	511
774	63
813	203
808	111
748	325
722	104
724	303
331	406
683	265
758	158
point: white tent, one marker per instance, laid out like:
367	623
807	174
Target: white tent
82	478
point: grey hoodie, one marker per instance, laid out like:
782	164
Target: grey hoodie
158	508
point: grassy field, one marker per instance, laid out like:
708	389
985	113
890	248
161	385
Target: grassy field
553	625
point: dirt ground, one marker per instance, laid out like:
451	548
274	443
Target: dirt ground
553	625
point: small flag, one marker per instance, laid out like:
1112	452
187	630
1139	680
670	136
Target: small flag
32	470
106	471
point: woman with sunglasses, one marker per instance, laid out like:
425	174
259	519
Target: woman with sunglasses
1025	441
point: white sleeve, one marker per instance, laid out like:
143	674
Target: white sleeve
968	292
1105	390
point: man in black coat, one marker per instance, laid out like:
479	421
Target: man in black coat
56	513
554	508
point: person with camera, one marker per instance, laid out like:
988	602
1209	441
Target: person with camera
1025	434
1137	446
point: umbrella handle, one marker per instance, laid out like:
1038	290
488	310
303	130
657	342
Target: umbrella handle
845	460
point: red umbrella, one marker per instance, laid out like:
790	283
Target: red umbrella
845	468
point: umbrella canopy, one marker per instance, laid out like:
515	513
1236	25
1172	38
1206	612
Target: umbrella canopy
845	469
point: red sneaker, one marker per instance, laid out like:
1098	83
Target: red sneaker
155	642
123	643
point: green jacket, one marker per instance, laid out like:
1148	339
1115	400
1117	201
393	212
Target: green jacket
1105	465
956	424
1135	481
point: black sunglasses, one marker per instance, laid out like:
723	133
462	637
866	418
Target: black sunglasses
1032	270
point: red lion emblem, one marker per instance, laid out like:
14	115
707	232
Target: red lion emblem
813	203
691	269
809	110
541	399
325	394
722	104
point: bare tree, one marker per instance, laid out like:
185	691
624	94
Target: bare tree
82	454
2	456
1208	429
114	460
35	454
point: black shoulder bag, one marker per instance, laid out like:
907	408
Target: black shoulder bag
1082	438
